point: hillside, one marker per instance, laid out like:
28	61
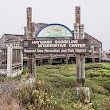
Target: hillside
55	88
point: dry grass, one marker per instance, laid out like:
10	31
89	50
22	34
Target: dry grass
8	103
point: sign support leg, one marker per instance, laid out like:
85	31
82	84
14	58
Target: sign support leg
78	68
31	64
83	70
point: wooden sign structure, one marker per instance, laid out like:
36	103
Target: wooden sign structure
79	45
50	46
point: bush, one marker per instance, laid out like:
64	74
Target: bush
37	96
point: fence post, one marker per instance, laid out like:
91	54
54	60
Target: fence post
9	61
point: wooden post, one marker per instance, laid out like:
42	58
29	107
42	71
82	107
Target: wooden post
100	55
50	59
30	35
82	36
33	55
77	36
78	67
66	59
9	61
82	92
93	55
80	58
29	23
83	70
33	65
77	14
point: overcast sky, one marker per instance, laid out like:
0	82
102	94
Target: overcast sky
95	15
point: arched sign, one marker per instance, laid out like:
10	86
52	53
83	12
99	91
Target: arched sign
50	45
54	31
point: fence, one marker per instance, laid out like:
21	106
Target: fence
11	61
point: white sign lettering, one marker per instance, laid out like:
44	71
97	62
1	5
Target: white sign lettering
56	46
76	45
52	45
29	51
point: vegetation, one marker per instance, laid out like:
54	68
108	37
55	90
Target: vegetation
55	88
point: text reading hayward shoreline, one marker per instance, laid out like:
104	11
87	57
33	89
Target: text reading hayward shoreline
55	46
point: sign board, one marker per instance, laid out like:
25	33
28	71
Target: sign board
54	31
57	46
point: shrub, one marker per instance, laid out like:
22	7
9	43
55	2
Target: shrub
37	96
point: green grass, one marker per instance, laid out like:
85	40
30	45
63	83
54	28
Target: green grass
62	78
